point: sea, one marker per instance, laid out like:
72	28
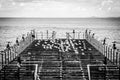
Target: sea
12	28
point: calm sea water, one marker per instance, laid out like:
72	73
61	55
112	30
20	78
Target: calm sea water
11	28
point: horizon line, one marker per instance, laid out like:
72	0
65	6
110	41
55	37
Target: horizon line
59	17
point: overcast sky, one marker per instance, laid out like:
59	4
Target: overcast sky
59	8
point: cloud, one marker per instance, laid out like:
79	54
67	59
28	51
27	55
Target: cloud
106	2
80	8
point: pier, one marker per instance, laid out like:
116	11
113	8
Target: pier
76	56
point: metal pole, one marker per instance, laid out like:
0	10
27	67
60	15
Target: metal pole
104	49
12	54
113	55
83	35
5	57
47	34
2	60
8	55
79	35
41	35
66	35
61	67
15	51
116	57
106	52
114	48
73	34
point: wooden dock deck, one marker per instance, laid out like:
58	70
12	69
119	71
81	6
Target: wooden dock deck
58	59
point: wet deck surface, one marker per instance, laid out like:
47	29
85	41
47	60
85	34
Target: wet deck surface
58	60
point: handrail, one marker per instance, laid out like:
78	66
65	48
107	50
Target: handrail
9	54
110	53
53	35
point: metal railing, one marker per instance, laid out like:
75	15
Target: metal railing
53	35
111	54
7	55
45	35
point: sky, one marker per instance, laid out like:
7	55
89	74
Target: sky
59	8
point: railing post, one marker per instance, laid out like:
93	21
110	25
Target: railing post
114	49
15	51
116	57
47	34
5	57
2	58
111	54
119	61
104	49
106	52
79	35
8	55
73	34
41	35
12	54
53	35
83	35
